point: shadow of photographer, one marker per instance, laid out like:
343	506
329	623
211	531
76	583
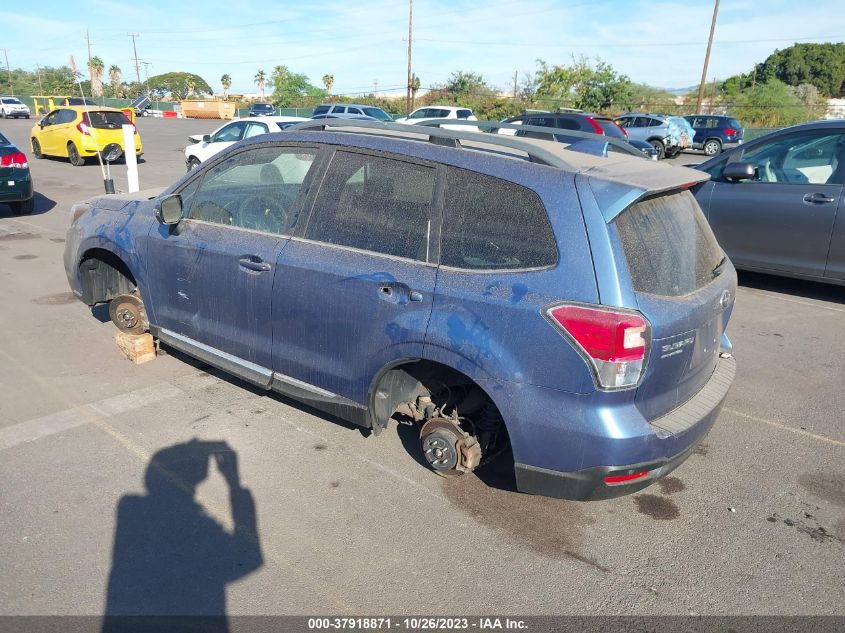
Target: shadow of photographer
171	557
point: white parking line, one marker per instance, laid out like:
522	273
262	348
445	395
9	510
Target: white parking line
780	297
60	421
36	226
784	427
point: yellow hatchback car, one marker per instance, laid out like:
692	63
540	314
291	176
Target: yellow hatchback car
80	132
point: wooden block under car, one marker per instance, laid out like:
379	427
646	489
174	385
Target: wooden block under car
139	348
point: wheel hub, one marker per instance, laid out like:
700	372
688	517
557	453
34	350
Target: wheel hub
128	314
449	450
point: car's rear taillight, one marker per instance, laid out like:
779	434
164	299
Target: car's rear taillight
596	127
18	159
83	127
614	342
729	131
621	129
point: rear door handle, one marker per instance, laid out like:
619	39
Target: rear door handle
818	198
253	262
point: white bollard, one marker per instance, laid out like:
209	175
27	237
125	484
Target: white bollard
131	158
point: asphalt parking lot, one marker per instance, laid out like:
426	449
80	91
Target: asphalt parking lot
753	523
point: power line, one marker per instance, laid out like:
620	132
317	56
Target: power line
626	45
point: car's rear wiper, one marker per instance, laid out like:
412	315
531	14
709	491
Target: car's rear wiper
718	269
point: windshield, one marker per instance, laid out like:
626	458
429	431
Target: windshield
378	113
12	101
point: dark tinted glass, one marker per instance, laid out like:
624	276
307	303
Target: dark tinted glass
489	223
321	109
65	116
568	124
375	204
464	114
4	140
670	248
105	120
734	124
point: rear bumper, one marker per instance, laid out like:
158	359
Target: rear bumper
90	148
604	439
19	190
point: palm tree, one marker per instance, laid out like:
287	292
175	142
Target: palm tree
261	81
415	85
226	82
95	68
328	82
114	78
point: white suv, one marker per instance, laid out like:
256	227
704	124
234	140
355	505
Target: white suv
428	113
12	107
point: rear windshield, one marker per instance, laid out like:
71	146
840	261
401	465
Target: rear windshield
670	248
105	120
377	113
610	128
4	140
734	124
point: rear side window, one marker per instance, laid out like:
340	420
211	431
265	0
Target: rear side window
464	114
568	124
376	204
668	244
489	223
321	109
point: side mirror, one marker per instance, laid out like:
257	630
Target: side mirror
169	210
739	171
206	138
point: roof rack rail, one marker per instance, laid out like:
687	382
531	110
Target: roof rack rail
548	133
450	138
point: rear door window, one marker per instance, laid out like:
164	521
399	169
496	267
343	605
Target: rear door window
493	224
376	204
670	248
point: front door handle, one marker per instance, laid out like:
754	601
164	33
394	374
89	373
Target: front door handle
818	198
398	293
253	262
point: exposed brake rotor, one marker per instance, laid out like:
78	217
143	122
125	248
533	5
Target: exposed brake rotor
128	314
450	451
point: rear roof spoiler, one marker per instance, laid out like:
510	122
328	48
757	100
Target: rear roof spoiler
624	184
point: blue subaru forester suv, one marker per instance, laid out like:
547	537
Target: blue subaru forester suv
497	293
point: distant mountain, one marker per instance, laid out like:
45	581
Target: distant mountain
681	91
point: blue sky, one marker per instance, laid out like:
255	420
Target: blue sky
362	42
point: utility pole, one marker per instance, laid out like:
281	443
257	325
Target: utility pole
410	35
515	75
706	59
135	50
375	87
40	89
88	39
6	55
